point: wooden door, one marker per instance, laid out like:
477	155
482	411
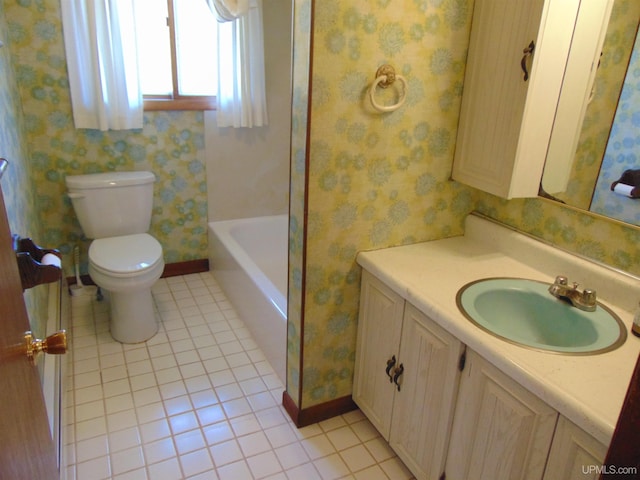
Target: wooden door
26	448
624	450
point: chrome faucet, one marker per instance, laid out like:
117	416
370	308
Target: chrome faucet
585	300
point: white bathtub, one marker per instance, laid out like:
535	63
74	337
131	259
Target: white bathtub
248	258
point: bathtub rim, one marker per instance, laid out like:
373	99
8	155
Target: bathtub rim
222	230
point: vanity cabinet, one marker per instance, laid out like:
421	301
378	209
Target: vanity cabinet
500	430
518	51
449	413
574	455
406	377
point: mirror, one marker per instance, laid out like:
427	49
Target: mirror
583	163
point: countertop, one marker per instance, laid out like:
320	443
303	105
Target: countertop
588	390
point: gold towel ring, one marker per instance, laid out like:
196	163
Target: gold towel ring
385	77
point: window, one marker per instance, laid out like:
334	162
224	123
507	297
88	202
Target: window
176	54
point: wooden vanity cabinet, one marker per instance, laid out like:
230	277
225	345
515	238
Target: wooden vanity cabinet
500	430
450	414
409	400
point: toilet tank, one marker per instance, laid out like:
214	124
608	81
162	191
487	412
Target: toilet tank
112	204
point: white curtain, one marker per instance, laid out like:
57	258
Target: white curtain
241	98
103	68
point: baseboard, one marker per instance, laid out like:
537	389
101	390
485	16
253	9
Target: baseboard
317	413
186	268
170	270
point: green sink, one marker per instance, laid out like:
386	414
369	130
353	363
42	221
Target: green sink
522	311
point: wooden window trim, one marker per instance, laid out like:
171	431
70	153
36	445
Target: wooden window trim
184	103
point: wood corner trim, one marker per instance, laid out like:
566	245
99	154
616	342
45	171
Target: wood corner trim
317	413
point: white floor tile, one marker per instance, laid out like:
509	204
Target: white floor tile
92	448
96	469
331	467
264	464
159	450
226	452
357	458
127	460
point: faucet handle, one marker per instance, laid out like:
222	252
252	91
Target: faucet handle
561	280
589	296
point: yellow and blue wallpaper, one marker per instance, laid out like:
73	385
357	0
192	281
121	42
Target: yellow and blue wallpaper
600	239
170	144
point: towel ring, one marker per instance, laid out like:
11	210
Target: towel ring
385	77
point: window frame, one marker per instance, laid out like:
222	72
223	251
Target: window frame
175	101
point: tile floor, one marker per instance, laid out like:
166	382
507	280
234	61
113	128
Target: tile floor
197	401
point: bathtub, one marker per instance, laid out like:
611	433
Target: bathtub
248	258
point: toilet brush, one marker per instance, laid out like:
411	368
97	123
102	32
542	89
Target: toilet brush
79	288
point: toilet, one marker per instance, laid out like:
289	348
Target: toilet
114	210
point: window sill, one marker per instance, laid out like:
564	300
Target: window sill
154	105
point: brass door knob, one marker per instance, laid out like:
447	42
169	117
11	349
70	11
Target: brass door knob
55	344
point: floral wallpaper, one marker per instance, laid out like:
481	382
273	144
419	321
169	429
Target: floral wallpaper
170	144
597	238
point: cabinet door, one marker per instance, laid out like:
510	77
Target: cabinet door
505	120
574	455
423	407
378	342
500	430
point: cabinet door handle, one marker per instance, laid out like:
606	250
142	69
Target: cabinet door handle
396	375
528	52
390	364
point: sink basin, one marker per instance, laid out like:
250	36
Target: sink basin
522	311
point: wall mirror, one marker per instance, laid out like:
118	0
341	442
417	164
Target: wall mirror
583	164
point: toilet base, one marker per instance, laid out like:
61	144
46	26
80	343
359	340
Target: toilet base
132	319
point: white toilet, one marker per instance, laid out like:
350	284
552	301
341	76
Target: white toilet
115	209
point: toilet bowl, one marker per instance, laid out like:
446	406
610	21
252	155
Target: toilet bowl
127	267
114	209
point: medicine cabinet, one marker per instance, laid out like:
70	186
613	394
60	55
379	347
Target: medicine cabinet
516	64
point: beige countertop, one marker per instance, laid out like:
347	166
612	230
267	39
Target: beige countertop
588	390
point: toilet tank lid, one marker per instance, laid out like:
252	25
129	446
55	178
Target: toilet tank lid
109	179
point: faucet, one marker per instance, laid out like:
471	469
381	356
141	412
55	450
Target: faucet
585	300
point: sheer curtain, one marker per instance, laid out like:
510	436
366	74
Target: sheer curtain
103	72
241	98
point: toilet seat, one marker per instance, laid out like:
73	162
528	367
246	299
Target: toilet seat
126	255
